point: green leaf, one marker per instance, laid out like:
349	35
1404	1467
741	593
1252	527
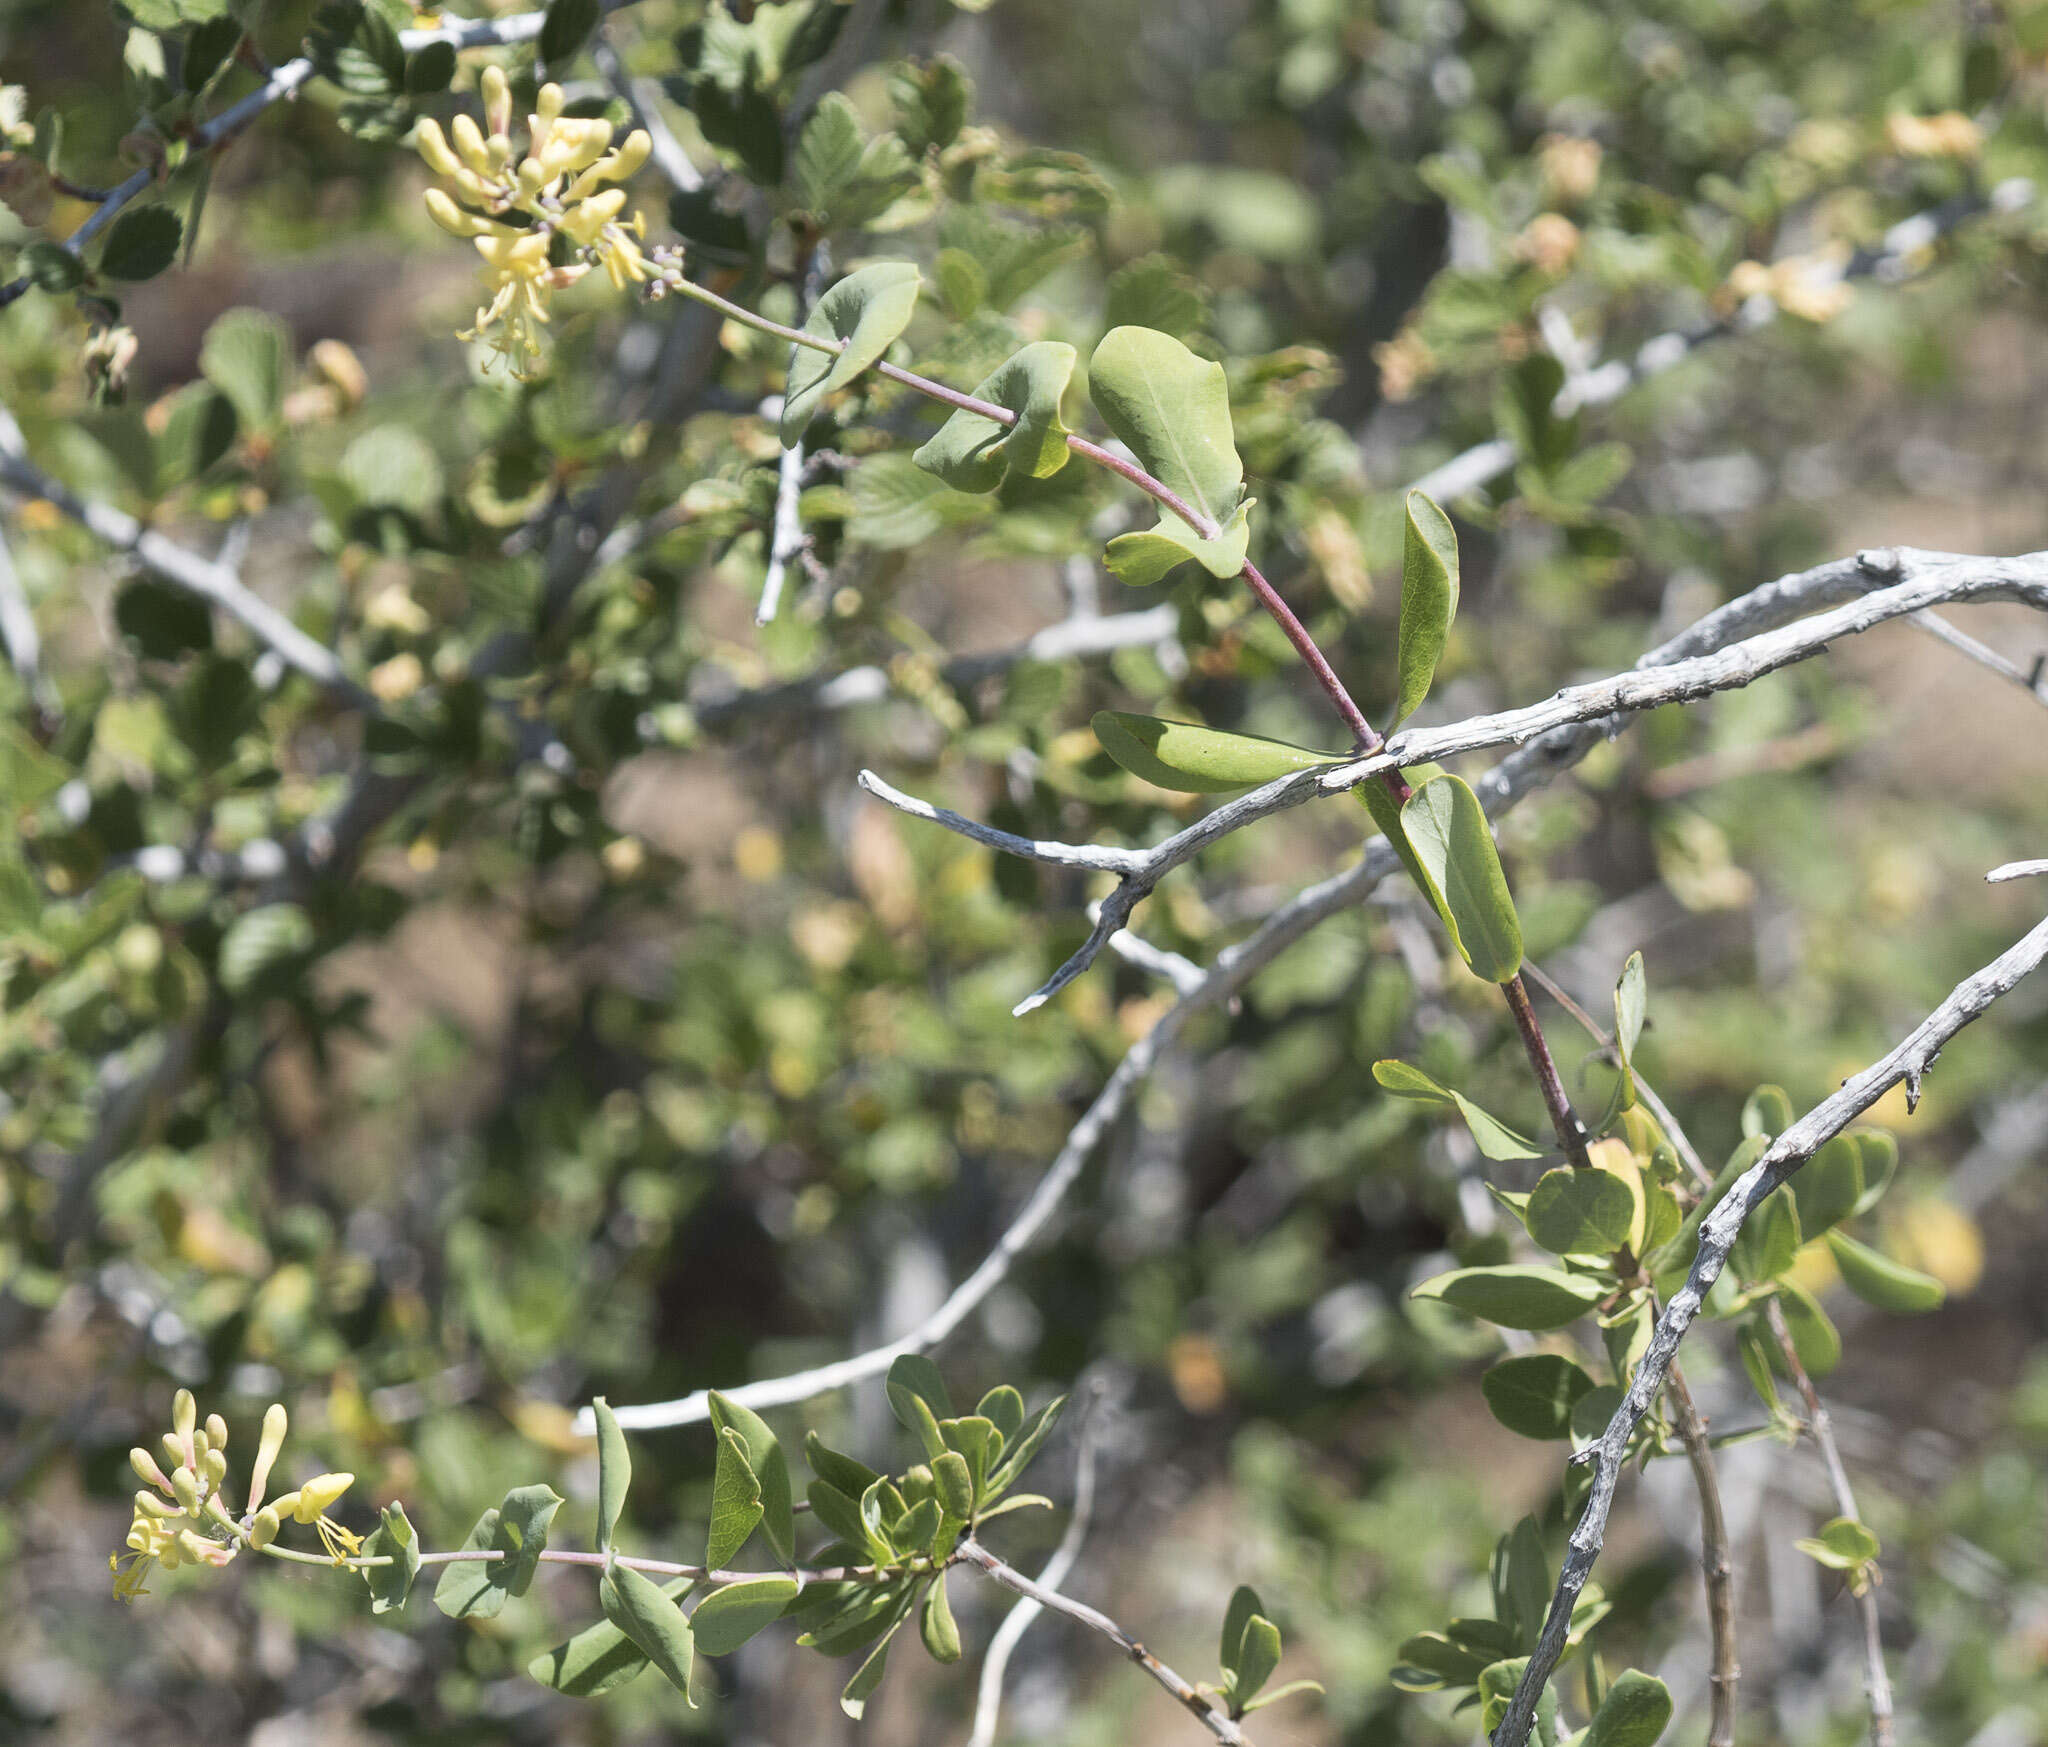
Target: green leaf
913	1377
955	1483
1844	1544
1515	1295
1279	1692
245	355
1244	1603
1769	1240
973	453
1496	1690
208	52
1767	1110
1534	1395
393	465
394	1538
936	1625
728	1617
1003	1408
838	1511
1633	1714
199	431
1880	1155
1172	409
142	243
1521	1582
1446	826
865	310
1193	760
1378	800
649	1616
1429	1662
1878	1280
932	101
52	268
523	1521
1429	599
1814	1337
466	1591
597	1659
1753	1343
735	1500
29	775
1581	1213
850	1477
564	31
614	1473
1155	292
1828	1186
1258	1655
1494	1139
163	622
828	152
1631	1002
770	1468
1593	1412
430	70
854	1699
259	940
1145	558
1018	1452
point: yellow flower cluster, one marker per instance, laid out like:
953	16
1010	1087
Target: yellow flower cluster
515	210
186	1520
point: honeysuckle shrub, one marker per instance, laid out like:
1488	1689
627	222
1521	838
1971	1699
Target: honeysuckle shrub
524	1009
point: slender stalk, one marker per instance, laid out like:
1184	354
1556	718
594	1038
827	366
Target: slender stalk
1564	1120
1211	1717
598	1561
1318	664
1715	1560
1877	1683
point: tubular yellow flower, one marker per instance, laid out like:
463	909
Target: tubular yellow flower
186	1485
216	1431
275	1422
184	1413
469	141
497	93
147	1470
452	219
320	1492
432	145
547	104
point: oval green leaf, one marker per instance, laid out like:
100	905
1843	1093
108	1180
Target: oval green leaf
645	1613
1633	1714
1769	1239
1581	1213
1828	1186
143	242
1814	1338
728	1617
770	1469
1429	599
1533	1395
1201	761
864	312
1880	1281
936	1625
1515	1295
1172	409
1143	559
614	1473
1446	827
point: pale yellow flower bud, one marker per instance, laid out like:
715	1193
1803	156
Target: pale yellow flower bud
185	1484
497	90
201	1443
633	151
319	1493
547	104
589	217
469	141
275	1422
146	1469
432	145
344	370
216	1431
451	218
184	1413
148	1504
214	1464
264	1529
397	679
533	177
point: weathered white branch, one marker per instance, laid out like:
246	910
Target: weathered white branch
1904	1065
174	563
1985	656
1699	662
988	1699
